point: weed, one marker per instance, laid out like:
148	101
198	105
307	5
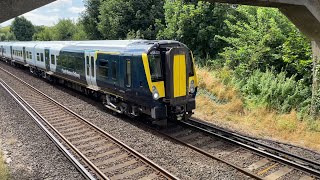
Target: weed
250	118
4	173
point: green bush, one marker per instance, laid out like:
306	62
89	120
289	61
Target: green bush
275	91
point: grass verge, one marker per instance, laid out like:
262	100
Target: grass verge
231	113
4	173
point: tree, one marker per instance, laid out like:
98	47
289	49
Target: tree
120	19
263	38
64	30
6	34
90	19
22	29
196	24
44	34
80	33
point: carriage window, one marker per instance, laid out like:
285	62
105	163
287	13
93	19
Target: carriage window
38	57
114	70
92	67
41	57
87	59
104	68
30	55
128	73
52	59
155	65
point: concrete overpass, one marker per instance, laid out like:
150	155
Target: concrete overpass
305	14
13	8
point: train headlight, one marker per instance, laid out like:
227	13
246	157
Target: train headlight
192	88
155	93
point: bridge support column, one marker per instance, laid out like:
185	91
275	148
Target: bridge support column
316	79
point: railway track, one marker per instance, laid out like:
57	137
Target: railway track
97	154
254	159
242	153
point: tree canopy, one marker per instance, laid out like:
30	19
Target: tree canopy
22	29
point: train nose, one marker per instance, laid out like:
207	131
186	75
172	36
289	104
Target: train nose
176	75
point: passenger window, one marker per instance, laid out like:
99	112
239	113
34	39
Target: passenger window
41	56
128	73
52	59
92	67
87	59
30	55
38	57
104	68
114	70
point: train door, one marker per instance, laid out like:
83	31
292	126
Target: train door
128	73
114	70
53	61
90	68
47	59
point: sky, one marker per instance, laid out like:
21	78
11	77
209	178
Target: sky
50	14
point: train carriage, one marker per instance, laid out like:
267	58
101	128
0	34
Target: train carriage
133	77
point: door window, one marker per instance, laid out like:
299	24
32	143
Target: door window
41	57
53	59
88	66
128	73
92	67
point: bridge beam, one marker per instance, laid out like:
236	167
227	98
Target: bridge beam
14	8
305	14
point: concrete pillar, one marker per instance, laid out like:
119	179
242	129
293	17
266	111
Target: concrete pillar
316	79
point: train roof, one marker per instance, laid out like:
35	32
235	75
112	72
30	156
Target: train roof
102	45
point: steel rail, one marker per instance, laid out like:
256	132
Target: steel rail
166	173
66	152
245	141
244	171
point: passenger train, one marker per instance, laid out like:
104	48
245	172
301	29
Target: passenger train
132	77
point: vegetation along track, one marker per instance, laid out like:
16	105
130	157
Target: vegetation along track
244	154
101	154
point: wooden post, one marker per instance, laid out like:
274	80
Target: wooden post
316	78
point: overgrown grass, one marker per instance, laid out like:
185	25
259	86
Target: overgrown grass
259	121
4	173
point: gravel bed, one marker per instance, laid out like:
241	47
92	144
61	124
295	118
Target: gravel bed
29	153
181	161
